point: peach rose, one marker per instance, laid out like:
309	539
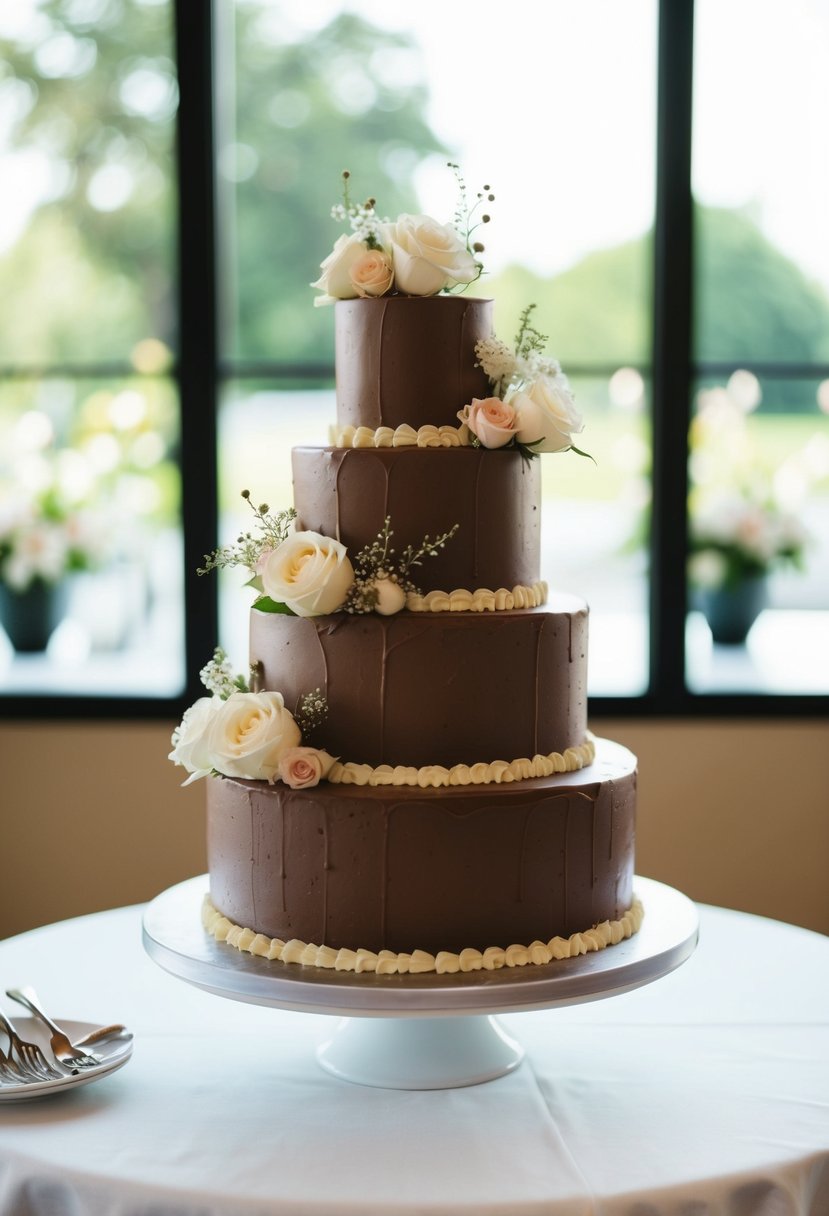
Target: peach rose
491	420
302	767
372	274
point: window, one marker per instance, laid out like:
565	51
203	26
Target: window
90	533
759	439
215	350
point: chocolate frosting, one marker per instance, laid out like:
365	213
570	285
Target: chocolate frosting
492	496
443	688
403	869
408	359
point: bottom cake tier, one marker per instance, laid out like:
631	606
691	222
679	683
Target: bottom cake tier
435	870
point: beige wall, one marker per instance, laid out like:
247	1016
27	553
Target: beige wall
735	813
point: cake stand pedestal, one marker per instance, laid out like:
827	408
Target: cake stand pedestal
418	1031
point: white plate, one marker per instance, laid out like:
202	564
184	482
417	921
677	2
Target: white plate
113	1055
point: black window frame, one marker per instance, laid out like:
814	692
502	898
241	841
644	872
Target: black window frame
199	373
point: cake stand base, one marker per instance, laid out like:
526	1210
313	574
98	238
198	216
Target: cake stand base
423	1031
419	1053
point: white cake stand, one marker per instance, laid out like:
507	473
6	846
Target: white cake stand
418	1031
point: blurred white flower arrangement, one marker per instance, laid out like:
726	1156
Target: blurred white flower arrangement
744	521
43	538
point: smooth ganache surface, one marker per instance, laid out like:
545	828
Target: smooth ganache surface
408	359
380	868
447	688
492	497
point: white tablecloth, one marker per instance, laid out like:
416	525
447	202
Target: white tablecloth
705	1093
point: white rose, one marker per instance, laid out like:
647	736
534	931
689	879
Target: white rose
190	749
372	273
427	256
308	572
335	280
548	412
390	597
249	735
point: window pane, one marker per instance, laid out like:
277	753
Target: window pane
759	537
307	90
87	105
90	539
259	423
759	462
761	180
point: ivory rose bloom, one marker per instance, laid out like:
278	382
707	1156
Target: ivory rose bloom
190	748
302	767
308	572
427	256
335	281
548	412
492	421
249	734
372	273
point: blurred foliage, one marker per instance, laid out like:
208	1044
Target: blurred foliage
752	303
306	110
89	89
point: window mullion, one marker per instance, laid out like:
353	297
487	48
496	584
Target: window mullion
198	337
672	322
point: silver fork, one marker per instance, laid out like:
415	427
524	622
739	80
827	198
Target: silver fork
27	1057
10	1072
63	1050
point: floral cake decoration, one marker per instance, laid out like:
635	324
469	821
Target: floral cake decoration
532	407
414	255
304	573
242	731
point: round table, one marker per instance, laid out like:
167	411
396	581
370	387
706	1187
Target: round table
706	1092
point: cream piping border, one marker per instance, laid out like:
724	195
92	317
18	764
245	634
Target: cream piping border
522	595
608	933
435	776
403	436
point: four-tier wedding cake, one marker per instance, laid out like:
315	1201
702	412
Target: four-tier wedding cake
406	781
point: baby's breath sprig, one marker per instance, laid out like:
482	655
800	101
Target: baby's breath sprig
218	678
310	713
428	548
362	217
378	562
272	529
468	219
528	341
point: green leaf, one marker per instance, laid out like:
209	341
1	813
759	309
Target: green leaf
266	604
579	452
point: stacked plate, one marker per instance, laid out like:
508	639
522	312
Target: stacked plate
113	1054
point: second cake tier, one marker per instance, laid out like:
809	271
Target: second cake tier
492	497
435	689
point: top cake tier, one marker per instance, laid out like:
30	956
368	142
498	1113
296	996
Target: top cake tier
409	360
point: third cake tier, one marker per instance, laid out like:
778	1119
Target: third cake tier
435	688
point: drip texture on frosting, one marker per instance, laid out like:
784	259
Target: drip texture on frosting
497	772
386	962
